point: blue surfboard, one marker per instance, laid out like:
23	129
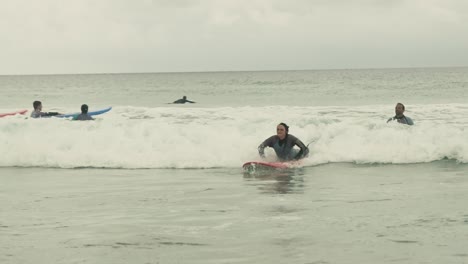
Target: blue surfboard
93	113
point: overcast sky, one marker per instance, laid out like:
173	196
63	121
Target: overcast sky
101	36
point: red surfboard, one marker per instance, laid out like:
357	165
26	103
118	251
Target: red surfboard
21	112
260	165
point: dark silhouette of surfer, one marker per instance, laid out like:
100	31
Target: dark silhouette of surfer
183	100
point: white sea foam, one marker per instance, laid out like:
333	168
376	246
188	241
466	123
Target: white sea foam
185	137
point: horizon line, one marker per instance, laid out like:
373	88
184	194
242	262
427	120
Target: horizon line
234	71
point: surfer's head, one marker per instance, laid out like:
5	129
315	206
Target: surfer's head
37	105
84	109
399	109
282	130
184	97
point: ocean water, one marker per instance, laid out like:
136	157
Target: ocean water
152	182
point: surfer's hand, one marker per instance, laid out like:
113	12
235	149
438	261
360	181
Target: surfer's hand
298	157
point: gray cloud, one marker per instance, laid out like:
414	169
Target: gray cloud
52	36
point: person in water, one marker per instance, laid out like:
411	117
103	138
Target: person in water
400	117
37	113
84	114
283	143
183	100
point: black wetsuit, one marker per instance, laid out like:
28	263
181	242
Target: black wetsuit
183	101
284	148
402	120
83	117
38	114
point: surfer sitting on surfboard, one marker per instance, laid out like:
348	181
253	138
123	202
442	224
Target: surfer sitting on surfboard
283	143
38	111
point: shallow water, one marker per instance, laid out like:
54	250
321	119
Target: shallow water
335	213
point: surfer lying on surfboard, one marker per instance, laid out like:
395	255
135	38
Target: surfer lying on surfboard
183	101
38	111
283	143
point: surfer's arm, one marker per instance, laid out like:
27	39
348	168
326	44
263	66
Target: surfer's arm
266	143
304	152
409	121
43	114
261	150
188	101
51	114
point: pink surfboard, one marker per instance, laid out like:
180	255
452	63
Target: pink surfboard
253	165
21	112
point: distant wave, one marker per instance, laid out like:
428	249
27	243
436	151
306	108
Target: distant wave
168	137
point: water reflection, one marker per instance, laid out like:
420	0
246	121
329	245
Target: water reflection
276	181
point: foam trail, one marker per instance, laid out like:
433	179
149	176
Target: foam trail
169	137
